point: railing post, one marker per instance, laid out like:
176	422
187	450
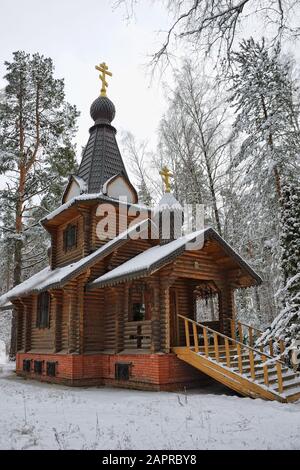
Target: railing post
281	345
196	344
250	335
216	347
227	352
251	359
279	377
187	333
205	342
266	373
271	350
240	328
233	332
240	359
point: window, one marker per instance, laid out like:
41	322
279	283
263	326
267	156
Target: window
70	237
138	312
26	365
38	367
51	369
137	303
122	371
43	307
207	302
207	308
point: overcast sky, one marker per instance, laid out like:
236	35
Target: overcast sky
77	35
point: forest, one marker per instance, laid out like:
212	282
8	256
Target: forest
230	135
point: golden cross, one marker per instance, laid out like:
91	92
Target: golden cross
166	175
104	71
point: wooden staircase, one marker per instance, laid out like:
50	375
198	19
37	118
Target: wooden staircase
249	371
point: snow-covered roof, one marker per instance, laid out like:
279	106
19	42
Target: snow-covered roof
158	256
81	183
169	202
89	197
6	306
51	279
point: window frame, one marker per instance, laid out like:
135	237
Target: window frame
138	290
70	229
43	310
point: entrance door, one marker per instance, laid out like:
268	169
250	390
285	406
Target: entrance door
173	318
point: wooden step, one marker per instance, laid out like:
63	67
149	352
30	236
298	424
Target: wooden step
289	385
231	376
292	394
273	377
259	372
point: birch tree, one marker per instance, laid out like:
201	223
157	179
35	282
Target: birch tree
195	135
214	26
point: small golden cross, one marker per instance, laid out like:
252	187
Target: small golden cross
166	175
104	71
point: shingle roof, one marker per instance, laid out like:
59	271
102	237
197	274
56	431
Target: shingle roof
101	157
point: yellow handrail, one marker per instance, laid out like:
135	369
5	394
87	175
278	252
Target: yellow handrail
252	330
244	324
239	347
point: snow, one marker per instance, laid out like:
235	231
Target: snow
3	355
167	202
43	416
88	197
81	183
50	278
144	261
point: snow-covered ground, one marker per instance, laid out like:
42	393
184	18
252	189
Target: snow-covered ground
42	416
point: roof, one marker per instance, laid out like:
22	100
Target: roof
6	306
101	158
51	279
158	256
90	198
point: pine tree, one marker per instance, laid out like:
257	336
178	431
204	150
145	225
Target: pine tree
36	152
266	103
286	325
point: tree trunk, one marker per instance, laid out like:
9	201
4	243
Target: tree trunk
17	278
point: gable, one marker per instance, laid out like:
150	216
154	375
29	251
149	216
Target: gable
75	187
159	256
119	186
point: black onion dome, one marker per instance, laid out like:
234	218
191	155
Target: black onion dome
101	159
103	110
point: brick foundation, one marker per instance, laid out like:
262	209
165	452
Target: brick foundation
147	371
